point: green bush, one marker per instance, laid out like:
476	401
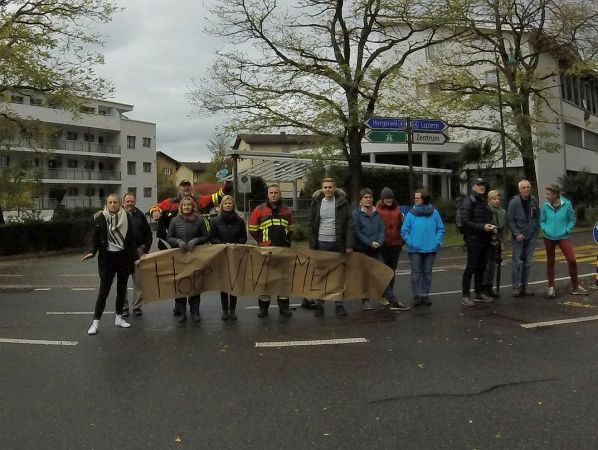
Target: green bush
591	215
69	214
16	238
299	233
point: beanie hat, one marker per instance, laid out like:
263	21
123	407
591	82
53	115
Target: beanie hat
386	192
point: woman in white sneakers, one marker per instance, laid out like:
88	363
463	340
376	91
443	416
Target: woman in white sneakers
115	245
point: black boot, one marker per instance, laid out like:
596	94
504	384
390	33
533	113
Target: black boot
283	308
224	302
232	307
264	305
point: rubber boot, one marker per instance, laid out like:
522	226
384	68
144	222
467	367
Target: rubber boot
264	305
283	308
181	306
232	307
224	302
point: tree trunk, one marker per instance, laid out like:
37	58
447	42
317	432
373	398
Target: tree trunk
524	128
354	161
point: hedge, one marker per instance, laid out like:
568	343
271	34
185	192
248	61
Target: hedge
16	238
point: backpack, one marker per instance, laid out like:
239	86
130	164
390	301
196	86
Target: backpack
458	216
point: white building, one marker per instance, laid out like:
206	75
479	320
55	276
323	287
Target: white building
89	155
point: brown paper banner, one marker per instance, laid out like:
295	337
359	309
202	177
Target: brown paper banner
249	270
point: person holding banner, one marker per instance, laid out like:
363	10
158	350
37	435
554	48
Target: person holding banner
114	242
185	231
557	220
331	226
369	234
228	228
272	224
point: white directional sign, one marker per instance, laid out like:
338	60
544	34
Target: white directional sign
429	138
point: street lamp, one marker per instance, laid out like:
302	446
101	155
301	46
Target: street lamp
511	62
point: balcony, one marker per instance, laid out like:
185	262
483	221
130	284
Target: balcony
63	145
79	175
52	203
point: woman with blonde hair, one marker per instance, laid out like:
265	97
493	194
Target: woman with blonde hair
185	231
499	218
228	228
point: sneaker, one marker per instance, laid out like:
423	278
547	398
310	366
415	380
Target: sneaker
340	310
398	306
580	290
137	312
551	293
417	301
366	305
525	292
426	301
481	297
467	301
384	302
119	322
517	292
93	329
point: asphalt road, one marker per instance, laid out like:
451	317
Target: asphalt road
443	377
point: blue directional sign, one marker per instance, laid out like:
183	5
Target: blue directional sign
595	233
430	125
222	173
387	123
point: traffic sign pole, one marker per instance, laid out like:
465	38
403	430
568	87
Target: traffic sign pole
410	156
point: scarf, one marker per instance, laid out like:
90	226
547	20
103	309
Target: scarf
117	227
189	217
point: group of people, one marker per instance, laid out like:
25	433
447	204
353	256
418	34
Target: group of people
122	235
483	224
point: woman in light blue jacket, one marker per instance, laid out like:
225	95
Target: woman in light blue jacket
423	232
557	220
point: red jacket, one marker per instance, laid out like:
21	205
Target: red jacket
393	221
272	227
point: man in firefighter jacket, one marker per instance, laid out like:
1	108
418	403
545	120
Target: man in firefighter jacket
271	225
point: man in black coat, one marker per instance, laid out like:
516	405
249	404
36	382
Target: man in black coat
143	243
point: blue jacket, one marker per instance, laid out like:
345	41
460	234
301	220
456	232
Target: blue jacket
423	229
557	223
367	229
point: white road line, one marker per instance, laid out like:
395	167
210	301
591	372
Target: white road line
292	305
83	289
316	342
80	275
408	271
42	289
73	313
558	322
7	275
36	342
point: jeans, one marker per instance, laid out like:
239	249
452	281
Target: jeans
523	255
567	249
390	257
477	257
421	273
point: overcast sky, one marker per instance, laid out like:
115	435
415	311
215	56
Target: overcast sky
153	50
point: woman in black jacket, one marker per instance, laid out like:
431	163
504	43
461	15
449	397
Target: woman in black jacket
185	231
114	242
228	228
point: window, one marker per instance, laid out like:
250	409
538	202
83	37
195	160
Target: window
167	171
16	99
4	161
573	135
72	192
147	192
101	193
100	166
89	137
591	140
102	111
71	136
490	77
131	168
130	141
90	165
132	190
147	142
52	164
88	109
100	139
147	167
90	191
72	163
35	101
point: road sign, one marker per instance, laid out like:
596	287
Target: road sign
387	123
430	125
430	138
386	136
244	184
595	232
222	173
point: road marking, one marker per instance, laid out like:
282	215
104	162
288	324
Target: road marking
42	289
83	289
316	342
73	313
408	271
558	322
7	275
292	305
36	342
80	275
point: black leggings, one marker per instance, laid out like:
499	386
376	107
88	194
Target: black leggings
116	264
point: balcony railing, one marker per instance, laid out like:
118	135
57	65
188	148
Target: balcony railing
58	144
52	203
80	174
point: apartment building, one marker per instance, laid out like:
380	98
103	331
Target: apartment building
88	155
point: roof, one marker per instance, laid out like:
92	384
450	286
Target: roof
281	138
160	154
195	166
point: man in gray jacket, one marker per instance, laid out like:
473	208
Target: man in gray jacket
331	228
523	219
